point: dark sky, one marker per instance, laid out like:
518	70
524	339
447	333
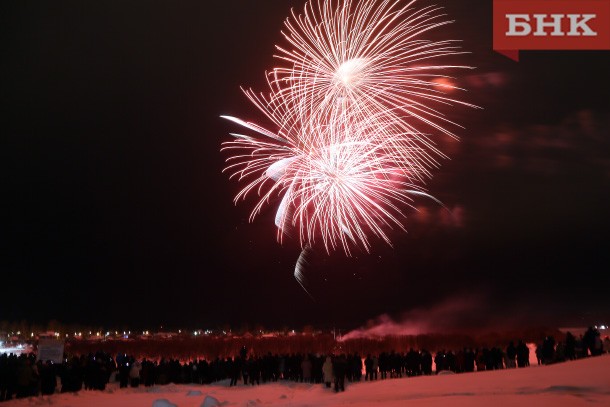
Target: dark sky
115	210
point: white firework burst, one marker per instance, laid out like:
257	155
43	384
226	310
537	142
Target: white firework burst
350	107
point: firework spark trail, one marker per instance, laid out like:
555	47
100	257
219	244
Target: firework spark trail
351	105
300	267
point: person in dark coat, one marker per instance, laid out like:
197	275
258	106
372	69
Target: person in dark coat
570	349
339	371
48	378
511	354
368	366
235	370
5	373
25	378
426	362
523	354
306	367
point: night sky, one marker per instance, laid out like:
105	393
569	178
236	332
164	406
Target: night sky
115	209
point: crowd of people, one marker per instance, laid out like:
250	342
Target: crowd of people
24	376
590	343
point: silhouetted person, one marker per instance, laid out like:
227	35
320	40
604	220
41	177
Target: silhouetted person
368	367
25	378
469	360
426	362
306	367
254	371
327	371
570	347
235	367
375	366
598	346
439	361
48	379
592	341
548	350
523	354
511	355
339	371
134	374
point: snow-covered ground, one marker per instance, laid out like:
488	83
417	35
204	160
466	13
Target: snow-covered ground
578	383
15	349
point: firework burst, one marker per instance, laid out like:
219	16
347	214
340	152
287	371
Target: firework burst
350	106
369	55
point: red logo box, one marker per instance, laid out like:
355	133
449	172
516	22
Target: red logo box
550	25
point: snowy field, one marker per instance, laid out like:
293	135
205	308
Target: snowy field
578	383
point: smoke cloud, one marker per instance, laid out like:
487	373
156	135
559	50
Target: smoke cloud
456	315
